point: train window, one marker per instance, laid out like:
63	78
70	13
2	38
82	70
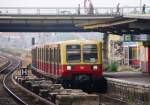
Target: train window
90	53
73	53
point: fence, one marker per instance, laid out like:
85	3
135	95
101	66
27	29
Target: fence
71	11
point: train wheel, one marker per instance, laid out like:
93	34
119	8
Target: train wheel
100	85
64	82
65	85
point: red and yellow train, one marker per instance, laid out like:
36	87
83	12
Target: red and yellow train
73	63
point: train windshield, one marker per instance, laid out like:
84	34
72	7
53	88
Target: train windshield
73	53
90	53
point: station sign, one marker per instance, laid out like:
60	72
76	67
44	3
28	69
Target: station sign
24	72
127	37
136	38
127	44
141	37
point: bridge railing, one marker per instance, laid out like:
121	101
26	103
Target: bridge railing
57	11
135	10
72	11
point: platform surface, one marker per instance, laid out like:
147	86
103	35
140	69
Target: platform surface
136	77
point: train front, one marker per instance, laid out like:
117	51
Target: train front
83	65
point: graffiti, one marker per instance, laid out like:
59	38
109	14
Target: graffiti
116	50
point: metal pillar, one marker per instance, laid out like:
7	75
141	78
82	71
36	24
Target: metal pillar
105	48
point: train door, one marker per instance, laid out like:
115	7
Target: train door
37	58
45	61
40	59
149	59
34	54
58	60
53	58
55	61
50	61
33	58
46	58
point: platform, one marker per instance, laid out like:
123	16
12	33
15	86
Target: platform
136	77
129	86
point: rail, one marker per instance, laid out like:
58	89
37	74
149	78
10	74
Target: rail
6	87
72	11
5	66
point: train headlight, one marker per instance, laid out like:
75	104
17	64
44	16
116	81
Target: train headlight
68	67
95	67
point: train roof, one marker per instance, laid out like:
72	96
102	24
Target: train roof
80	41
77	41
67	42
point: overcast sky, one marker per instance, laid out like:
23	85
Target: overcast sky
68	3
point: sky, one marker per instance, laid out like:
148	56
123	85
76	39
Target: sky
69	3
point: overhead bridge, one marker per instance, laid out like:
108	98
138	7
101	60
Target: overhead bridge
50	19
132	20
47	23
70	19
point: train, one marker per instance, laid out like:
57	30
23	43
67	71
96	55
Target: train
73	63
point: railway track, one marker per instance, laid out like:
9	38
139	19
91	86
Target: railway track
5	96
22	98
107	99
10	93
